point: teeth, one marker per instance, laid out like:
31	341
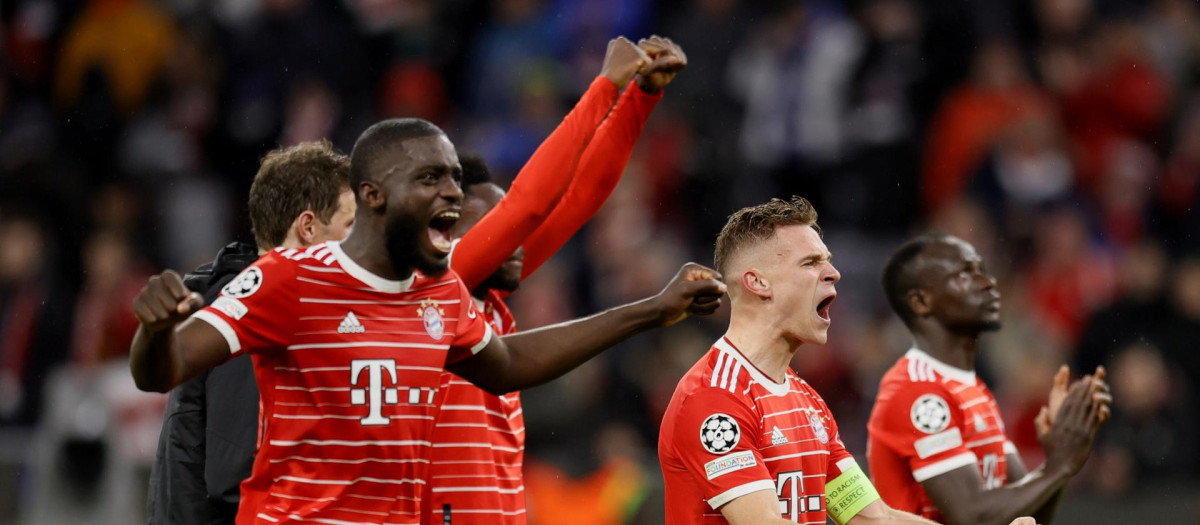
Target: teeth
448	215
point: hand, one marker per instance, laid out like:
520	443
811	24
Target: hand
1024	521
164	302
1058	392
695	290
667	60
622	61
1069	440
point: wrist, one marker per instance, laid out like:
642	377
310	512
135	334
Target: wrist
646	87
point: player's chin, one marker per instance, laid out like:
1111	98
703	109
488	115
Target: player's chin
433	264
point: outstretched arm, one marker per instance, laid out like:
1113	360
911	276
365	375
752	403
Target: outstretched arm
534	357
543	180
604	161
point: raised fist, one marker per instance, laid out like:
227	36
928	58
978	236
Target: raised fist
622	61
165	302
667	60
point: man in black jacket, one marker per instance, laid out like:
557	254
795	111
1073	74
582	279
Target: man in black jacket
300	196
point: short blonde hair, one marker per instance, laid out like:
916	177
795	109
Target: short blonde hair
755	224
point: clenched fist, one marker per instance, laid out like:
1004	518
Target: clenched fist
165	302
695	290
667	60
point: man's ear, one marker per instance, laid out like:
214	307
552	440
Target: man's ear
305	227
920	302
371	195
755	282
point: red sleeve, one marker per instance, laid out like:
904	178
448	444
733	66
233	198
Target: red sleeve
600	169
921	425
471	332
253	311
713	435
535	190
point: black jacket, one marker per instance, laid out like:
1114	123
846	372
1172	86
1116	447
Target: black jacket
209	434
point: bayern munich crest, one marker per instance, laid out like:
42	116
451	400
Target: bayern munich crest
431	315
245	284
818	428
719	433
930	414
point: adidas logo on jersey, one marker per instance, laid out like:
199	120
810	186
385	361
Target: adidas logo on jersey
777	437
350	325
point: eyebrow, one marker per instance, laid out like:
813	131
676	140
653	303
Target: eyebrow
817	257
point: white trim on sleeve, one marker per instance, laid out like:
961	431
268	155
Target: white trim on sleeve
487	338
739	491
231	337
846	464
1010	448
944	466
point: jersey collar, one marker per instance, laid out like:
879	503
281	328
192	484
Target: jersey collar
358	272
951	372
759	377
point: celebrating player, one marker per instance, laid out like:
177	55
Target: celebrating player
937	443
349	339
300	196
744	440
479	438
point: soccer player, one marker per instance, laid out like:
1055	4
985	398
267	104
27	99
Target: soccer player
349	339
937	445
744	440
300	196
479	438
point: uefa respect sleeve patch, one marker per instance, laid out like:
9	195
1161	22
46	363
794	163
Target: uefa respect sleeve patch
731	463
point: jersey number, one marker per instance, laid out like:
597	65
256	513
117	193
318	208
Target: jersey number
789	486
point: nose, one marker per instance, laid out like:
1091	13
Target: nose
451	190
832	276
989	282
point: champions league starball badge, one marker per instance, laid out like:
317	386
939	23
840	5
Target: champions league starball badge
245	284
930	414
719	433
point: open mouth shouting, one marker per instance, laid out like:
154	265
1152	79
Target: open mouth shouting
439	230
824	305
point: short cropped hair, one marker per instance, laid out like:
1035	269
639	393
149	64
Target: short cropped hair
474	170
757	223
383	136
899	273
307	176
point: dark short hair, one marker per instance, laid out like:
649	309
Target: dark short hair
900	275
474	170
291	180
381	137
757	223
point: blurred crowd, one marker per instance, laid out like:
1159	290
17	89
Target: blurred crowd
1060	137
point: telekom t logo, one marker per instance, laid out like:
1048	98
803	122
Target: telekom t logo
374	395
789	486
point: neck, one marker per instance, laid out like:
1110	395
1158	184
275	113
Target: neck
957	350
763	343
366	248
480	292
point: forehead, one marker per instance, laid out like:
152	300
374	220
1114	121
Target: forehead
949	254
799	240
419	152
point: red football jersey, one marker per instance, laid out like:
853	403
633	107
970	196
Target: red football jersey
478	446
347	364
931	418
730	430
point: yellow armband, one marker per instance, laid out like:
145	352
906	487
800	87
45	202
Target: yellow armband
849	494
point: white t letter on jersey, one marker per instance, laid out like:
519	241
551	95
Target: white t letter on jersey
374	390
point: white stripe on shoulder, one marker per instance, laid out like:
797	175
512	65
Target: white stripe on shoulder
733	376
716	370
